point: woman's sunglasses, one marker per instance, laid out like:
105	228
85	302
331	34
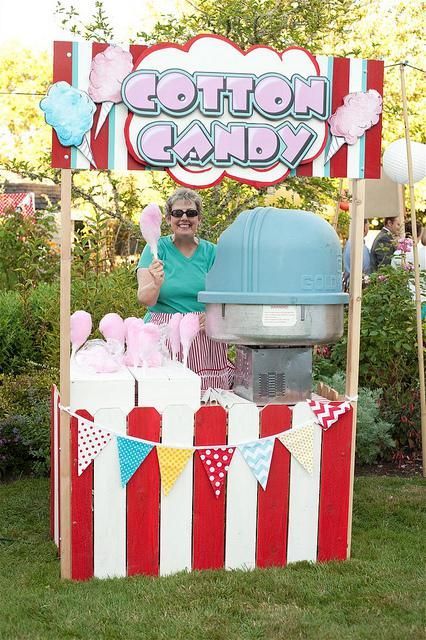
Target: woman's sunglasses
190	213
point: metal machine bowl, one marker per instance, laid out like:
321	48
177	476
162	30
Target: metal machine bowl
256	324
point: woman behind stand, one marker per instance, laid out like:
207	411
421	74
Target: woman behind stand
171	284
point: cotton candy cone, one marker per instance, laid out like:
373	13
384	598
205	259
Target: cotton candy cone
85	149
174	334
112	327
133	340
336	143
103	115
80	328
189	327
150	342
150	225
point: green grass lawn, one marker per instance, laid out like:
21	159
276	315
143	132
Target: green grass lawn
380	593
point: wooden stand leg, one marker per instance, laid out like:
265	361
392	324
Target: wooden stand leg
416	274
65	304
354	325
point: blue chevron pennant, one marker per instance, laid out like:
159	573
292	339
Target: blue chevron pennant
258	456
131	454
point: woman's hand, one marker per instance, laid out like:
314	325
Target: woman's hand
156	271
202	320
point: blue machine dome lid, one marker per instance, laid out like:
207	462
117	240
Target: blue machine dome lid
276	256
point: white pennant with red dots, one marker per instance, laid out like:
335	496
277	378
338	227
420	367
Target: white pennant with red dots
216	461
91	441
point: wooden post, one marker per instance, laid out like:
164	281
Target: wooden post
416	273
65	305
337	209
356	234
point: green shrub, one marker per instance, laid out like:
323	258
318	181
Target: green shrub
14	455
388	353
27	253
25	421
16	341
373	434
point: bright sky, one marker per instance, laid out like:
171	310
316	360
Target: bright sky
33	23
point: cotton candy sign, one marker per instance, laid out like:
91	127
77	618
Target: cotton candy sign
206	110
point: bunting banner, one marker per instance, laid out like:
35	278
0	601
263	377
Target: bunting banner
258	456
216	462
300	443
91	441
172	462
131	454
327	413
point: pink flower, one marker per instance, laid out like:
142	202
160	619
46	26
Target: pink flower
405	245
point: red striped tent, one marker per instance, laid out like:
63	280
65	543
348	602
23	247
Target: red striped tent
24	202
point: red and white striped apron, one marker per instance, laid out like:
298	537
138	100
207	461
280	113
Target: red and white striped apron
206	357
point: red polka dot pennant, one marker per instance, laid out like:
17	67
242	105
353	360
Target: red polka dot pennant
91	441
216	462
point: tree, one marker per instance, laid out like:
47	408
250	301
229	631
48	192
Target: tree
26	77
276	23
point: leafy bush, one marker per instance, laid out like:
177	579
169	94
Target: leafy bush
388	354
373	434
16	341
25	421
14	458
27	254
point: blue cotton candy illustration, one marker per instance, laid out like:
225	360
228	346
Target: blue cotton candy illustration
70	112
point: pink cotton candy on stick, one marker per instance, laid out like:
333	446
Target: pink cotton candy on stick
150	342
133	328
174	334
80	329
127	322
189	327
108	70
150	224
112	327
359	112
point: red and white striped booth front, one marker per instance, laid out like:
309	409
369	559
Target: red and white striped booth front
136	529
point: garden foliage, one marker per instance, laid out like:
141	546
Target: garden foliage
373	434
27	253
25	421
388	353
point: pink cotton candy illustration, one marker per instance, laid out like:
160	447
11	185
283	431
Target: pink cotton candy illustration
359	112
108	70
150	225
189	327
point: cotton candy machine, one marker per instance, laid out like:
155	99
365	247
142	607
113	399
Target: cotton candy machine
275	291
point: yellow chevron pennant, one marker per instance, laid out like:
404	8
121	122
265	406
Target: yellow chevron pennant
300	442
172	462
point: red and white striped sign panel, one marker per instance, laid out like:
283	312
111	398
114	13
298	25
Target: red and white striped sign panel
208	110
137	529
